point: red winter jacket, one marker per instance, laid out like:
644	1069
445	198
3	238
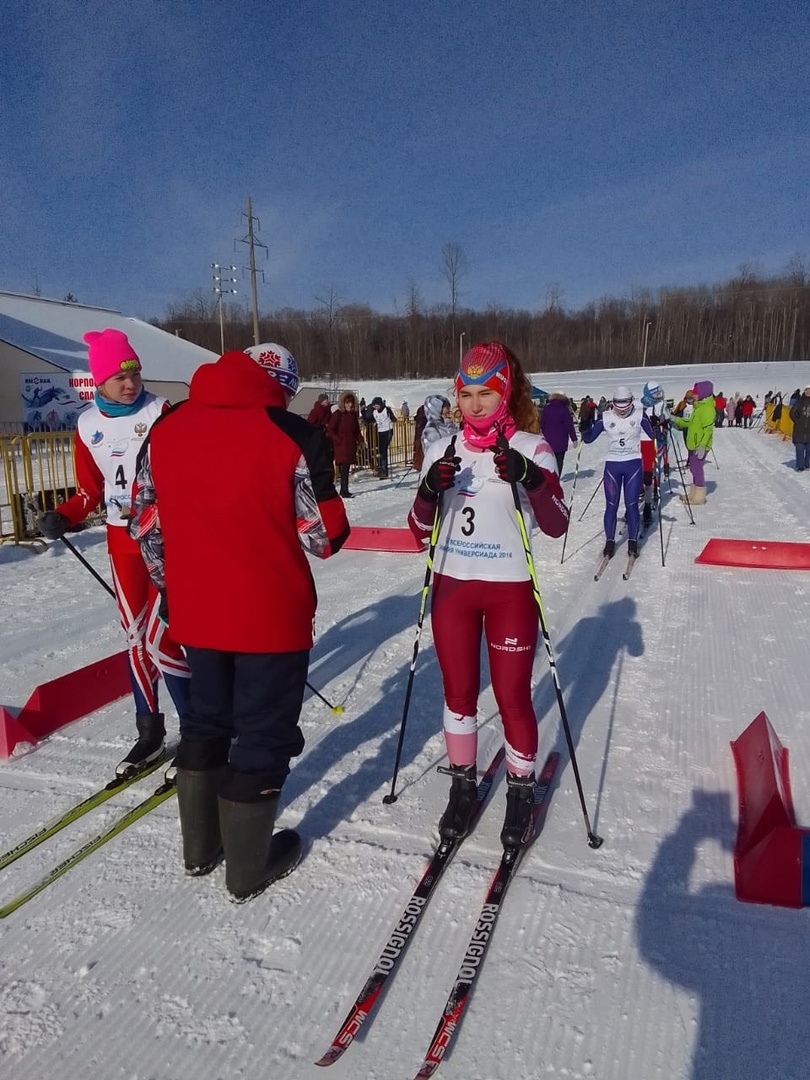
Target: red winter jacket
230	485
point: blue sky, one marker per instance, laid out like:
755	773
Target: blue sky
602	145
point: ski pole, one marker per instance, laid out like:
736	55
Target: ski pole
683	482
404	476
571	504
391	797
87	566
658	468
594	841
336	709
596	492
716	462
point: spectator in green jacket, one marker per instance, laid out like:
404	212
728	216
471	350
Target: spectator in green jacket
699	430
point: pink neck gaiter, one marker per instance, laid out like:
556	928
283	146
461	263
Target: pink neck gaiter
481	434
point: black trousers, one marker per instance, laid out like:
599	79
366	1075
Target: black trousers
383	442
250	702
343	469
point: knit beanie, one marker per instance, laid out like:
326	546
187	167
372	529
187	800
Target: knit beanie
278	362
485	365
110	353
703	390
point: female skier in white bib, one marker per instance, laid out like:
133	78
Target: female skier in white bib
481	581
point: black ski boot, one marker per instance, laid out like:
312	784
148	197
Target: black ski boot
610	549
647	517
254	856
632	549
455	821
519	806
199	819
151	733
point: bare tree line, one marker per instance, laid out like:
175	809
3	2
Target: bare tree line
750	317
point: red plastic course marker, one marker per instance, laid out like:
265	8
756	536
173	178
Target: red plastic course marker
756	554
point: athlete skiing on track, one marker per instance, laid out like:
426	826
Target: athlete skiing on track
109	436
624	423
481	580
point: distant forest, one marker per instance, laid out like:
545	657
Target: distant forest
748	318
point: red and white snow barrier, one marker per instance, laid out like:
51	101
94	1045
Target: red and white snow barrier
63	700
756	554
772	855
367	538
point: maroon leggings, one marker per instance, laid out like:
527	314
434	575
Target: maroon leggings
506	612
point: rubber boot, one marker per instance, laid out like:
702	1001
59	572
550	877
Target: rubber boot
519	806
454	823
254	856
151	734
199	819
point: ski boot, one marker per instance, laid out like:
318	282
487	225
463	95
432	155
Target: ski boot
519	806
647	515
151	733
455	821
610	549
632	549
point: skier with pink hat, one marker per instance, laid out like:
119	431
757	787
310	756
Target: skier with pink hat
109	436
481	584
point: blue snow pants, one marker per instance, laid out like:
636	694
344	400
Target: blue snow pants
620	474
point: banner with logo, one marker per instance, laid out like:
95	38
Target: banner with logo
52	401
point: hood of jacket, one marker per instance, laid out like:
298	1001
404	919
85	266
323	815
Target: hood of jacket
434	403
235	381
343	399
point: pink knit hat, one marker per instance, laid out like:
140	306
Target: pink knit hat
110	353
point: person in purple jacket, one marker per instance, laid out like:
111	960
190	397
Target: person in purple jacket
557	426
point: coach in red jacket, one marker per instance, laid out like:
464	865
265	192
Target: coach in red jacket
231	487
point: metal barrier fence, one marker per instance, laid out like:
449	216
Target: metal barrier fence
400	451
37	475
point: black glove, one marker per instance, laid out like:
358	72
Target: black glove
52	524
440	476
514	468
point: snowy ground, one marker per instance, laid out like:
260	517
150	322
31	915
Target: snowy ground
631	963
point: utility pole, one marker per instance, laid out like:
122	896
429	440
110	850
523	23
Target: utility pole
647	326
218	289
253	243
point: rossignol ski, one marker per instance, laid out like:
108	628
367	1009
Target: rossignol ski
482	933
392	953
158	796
45	832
